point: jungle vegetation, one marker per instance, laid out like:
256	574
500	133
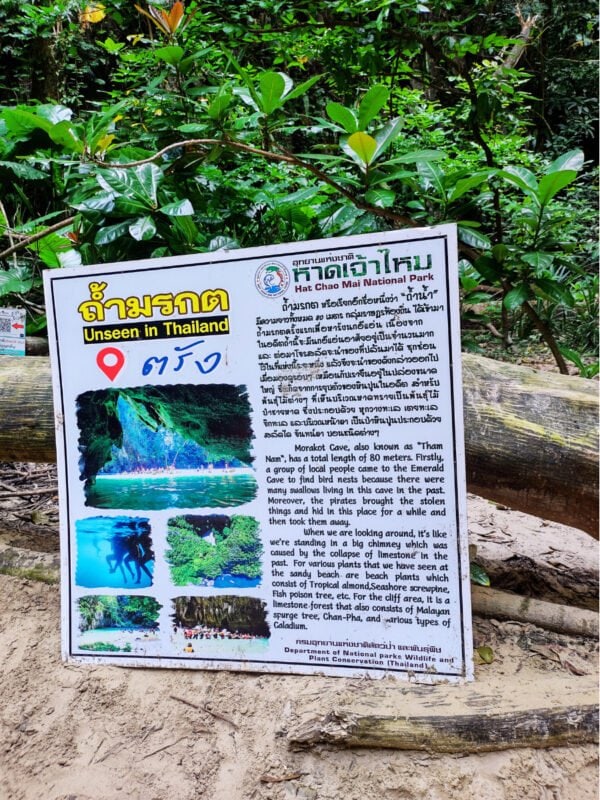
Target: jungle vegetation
122	611
202	548
144	130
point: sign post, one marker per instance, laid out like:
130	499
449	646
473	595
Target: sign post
261	459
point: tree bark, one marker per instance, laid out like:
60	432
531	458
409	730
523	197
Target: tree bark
463	719
530	437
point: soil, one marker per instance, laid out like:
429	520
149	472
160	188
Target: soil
81	732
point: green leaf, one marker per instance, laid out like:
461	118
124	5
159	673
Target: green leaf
343	116
473	238
538	260
23	171
14	281
386	135
22	123
219	105
488	268
486	654
555	291
272	87
432	177
371	104
551	185
500	252
138	185
479	575
382	198
418	155
111	233
464	185
516	297
172	54
180	208
521	177
64	134
364	146
142	229
568	161
302	88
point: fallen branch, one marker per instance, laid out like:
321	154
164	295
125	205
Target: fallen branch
460	719
552	616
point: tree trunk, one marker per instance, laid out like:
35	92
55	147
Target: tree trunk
530	437
464	719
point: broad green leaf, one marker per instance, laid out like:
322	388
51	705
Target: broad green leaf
187	228
111	46
302	88
364	146
172	54
570	355
64	134
70	258
371	104
219	105
488	268
473	238
343	116
516	297
386	135
180	208
551	185
555	291
13	281
111	233
142	229
418	155
538	260
272	88
382	198
500	252
521	177
432	177
571	160
22	123
23	171
466	184
54	112
139	184
222	243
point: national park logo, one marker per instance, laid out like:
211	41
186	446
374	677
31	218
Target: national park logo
272	279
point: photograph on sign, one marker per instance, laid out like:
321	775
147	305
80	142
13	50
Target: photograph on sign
261	459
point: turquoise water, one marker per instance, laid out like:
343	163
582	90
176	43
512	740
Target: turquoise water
235	582
113	552
156	492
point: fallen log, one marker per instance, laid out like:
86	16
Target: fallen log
552	616
530	437
466	719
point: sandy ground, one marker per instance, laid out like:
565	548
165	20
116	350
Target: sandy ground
101	733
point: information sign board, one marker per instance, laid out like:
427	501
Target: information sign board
12	331
261	459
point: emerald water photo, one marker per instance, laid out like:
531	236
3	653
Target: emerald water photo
161	447
114	552
214	550
118	624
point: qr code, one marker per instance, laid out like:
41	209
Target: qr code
5	325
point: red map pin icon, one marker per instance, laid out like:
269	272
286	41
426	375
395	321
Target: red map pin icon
110	360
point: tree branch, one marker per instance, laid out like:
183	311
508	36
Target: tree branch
35	237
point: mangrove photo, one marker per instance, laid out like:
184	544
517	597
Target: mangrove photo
122	623
114	552
214	550
158	447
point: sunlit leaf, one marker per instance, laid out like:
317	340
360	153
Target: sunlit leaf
516	297
180	208
479	575
363	145
93	13
142	229
272	88
571	160
550	185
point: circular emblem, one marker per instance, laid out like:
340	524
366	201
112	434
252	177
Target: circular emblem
272	279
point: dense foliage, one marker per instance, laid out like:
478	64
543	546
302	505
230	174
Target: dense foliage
202	548
122	611
132	131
